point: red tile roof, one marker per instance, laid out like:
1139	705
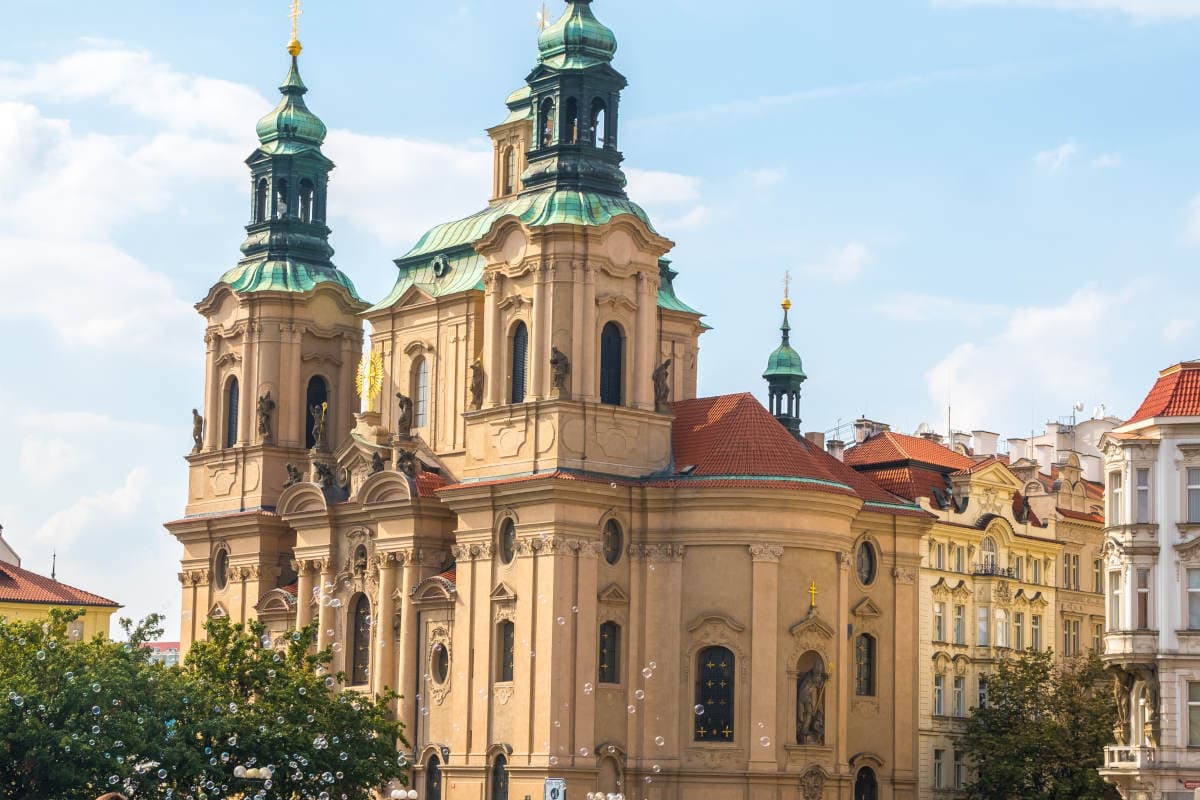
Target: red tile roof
890	447
161	647
1081	515
1175	394
22	586
908	482
429	482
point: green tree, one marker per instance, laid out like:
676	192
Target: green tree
1043	731
81	718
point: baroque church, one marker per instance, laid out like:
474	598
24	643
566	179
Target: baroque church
518	514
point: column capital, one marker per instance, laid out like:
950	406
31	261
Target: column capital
766	552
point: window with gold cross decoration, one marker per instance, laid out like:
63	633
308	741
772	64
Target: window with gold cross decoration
715	695
610	653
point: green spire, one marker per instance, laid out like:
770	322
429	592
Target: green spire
784	377
291	123
578	40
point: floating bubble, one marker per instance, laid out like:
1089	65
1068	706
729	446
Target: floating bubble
660	741
640	694
96	710
583	751
561	620
41	655
96	687
553	760
647	672
765	741
587	688
698	709
656	768
653	665
632	709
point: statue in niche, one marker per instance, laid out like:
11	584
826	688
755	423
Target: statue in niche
1150	700
325	475
662	385
294	477
560	368
376	463
265	407
477	378
197	432
406	462
404	418
810	704
319	413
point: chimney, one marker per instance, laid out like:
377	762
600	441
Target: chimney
932	436
984	442
865	429
816	438
1018	449
836	448
1045	457
962	440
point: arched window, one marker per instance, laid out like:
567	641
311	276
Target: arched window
220	569
506	541
610	653
261	196
510	170
231	413
864	665
546	122
866	787
317	393
614	541
714	694
433	779
987	553
420	392
596	129
306	200
810	699
520	361
866	564
361	653
612	364
570	134
281	199
506	638
500	778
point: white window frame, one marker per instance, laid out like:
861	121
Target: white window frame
960	624
1191	484
1189	594
959	687
1002	628
939	555
1143	508
1019	630
1116	492
983	633
1115	593
960	770
1035	574
1144	594
939	695
938	768
1193	707
1035	631
939	621
1098	575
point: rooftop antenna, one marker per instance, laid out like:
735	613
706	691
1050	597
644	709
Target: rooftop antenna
54	566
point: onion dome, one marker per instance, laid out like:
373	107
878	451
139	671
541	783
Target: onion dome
291	121
785	365
577	40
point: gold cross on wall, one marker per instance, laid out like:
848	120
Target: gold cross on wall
812	591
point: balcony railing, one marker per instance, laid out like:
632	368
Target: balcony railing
1129	757
987	568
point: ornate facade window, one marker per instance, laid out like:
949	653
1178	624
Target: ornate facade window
960	696
987	553
864	665
609	666
1116	491
1193	708
1143	600
1002	628
1193	496
500	778
1142	501
360	656
316	394
960	770
509	159
960	624
420	392
506	541
520	363
612	364
1035	631
866	564
939	622
261	198
506	639
440	663
220	568
1019	630
939	695
714	693
614	541
231	413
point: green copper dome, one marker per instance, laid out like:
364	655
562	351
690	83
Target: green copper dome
291	121
578	40
784	366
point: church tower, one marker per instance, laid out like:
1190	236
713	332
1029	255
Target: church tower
283	342
784	377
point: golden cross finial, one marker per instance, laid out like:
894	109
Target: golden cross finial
812	591
295	13
787	290
543	18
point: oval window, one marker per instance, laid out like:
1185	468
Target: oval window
440	663
613	541
221	568
508	541
866	564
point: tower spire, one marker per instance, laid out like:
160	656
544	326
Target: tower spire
785	371
295	13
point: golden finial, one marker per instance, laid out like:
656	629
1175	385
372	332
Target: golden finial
543	18
294	45
812	591
787	291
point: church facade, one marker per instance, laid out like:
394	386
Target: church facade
568	565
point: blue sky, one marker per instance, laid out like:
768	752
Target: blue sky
989	203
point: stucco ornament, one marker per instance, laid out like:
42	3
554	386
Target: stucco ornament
812	783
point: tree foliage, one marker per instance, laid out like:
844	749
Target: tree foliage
81	718
1043	731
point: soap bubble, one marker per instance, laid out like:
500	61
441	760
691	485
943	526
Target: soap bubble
698	709
647	672
587	688
640	694
765	741
632	709
660	741
583	751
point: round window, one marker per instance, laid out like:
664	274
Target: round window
440	663
508	541
221	568
866	564
613	541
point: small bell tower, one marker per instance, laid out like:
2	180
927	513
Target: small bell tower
785	374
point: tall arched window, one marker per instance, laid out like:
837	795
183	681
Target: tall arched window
520	362
510	169
316	394
500	778
306	200
987	553
597	123
866	787
361	653
610	653
570	133
714	693
261	196
506	638
864	665
231	413
546	122
612	364
433	779
420	392
281	199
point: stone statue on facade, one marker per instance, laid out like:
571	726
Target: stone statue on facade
266	406
319	413
662	385
377	465
477	379
197	432
810	705
1150	700
294	477
1122	693
406	462
325	475
404	419
560	369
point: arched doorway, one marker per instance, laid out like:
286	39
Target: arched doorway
866	787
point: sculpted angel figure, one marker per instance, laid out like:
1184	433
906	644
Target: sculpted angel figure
197	431
477	378
404	418
318	429
662	384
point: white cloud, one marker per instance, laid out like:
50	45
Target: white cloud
1054	160
65	526
922	307
1108	161
673	201
842	264
1176	329
44	460
1145	10
1040	346
763	178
